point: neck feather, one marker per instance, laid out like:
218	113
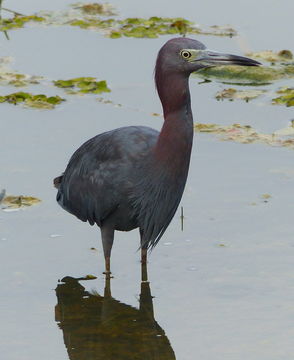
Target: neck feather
173	91
174	144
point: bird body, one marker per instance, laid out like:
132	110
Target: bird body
118	174
135	176
103	173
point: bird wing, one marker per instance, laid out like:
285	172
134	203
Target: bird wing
95	180
157	205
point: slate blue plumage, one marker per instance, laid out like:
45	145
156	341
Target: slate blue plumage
135	176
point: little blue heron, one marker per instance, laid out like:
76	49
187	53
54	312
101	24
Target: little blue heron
134	177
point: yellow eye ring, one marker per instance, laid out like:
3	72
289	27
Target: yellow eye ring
185	54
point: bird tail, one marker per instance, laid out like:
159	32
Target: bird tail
57	181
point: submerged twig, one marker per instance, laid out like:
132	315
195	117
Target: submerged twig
6	34
182	218
12	11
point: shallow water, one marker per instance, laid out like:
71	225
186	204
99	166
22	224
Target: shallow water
223	287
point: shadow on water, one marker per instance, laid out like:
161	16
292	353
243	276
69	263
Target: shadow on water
102	328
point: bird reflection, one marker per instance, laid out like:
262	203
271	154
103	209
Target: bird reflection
99	327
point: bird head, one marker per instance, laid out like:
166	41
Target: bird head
186	55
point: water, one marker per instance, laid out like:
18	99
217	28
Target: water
223	288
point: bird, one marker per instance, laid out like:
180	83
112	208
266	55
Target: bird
134	176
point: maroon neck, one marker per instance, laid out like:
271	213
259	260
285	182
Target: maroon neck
174	144
173	90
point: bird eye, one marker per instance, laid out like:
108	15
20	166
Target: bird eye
185	54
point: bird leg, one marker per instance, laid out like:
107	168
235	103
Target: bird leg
144	276
144	256
107	289
143	248
107	265
107	235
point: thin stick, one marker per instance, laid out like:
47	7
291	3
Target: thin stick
11	11
182	218
6	34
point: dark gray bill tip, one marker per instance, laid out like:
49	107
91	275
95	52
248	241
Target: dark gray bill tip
241	60
213	58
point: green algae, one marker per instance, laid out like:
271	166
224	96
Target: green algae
18	21
289	70
10	77
271	56
18	202
234	94
95	9
99	17
18	80
137	27
254	75
287	97
148	28
83	85
246	134
39	101
93	23
102	17
153	27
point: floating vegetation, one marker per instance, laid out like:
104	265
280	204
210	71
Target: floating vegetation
250	75
152	27
83	85
149	28
99	17
234	94
35	101
96	16
89	277
266	196
244	134
286	131
9	77
287	97
219	30
18	21
289	70
95	9
137	27
11	202
110	102
18	80
271	56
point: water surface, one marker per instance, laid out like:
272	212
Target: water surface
224	285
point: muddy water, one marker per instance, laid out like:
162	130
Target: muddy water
223	287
